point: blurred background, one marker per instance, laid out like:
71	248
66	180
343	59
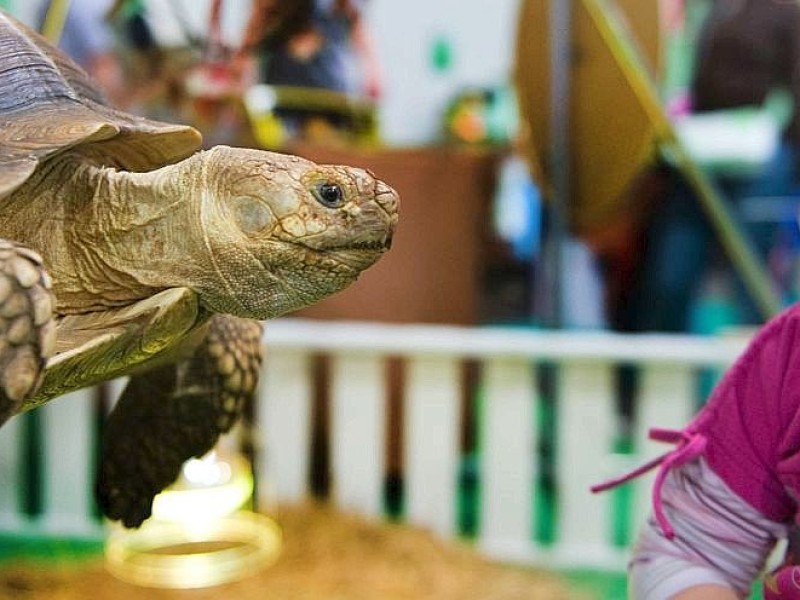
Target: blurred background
595	214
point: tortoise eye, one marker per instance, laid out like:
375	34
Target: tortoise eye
330	195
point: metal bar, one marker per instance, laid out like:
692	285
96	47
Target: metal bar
560	168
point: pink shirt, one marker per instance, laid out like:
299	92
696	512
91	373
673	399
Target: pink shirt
729	489
751	423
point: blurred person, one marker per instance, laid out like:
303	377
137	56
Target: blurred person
89	41
130	17
145	60
731	486
320	44
747	50
314	43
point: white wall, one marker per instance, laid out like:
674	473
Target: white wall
480	33
164	17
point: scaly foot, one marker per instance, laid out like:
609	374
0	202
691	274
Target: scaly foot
174	412
27	327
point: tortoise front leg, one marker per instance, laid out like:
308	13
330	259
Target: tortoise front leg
27	328
174	412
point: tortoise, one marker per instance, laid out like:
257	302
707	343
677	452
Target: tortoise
127	249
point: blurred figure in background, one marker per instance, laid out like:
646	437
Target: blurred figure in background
153	78
88	39
318	44
112	41
313	43
747	51
129	18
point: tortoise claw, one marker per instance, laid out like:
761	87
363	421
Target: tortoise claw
27	328
119	504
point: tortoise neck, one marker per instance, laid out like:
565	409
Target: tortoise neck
145	221
113	237
125	201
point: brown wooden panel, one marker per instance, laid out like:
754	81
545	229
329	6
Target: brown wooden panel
432	273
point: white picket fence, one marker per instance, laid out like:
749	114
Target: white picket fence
510	465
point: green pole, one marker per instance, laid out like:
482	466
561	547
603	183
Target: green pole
54	20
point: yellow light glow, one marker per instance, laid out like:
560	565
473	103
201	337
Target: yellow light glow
208	489
168	555
198	535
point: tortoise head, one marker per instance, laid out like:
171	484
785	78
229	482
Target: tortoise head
282	232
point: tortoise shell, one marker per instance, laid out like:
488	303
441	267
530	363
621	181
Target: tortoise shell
49	104
187	337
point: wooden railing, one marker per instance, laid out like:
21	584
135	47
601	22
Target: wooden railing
520	375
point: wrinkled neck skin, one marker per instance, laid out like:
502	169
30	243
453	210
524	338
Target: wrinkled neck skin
100	231
110	238
239	227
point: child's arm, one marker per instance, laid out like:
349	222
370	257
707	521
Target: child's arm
730	488
719	547
707	592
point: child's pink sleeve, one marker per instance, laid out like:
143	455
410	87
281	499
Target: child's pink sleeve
752	421
719	538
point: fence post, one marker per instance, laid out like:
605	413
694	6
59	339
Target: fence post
358	428
283	430
666	400
509	462
585	416
68	468
432	423
10	467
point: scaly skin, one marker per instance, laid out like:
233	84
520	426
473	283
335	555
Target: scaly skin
245	229
253	234
174	412
26	322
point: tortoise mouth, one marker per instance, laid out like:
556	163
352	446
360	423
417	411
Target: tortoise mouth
376	245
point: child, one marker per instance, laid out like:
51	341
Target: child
730	488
